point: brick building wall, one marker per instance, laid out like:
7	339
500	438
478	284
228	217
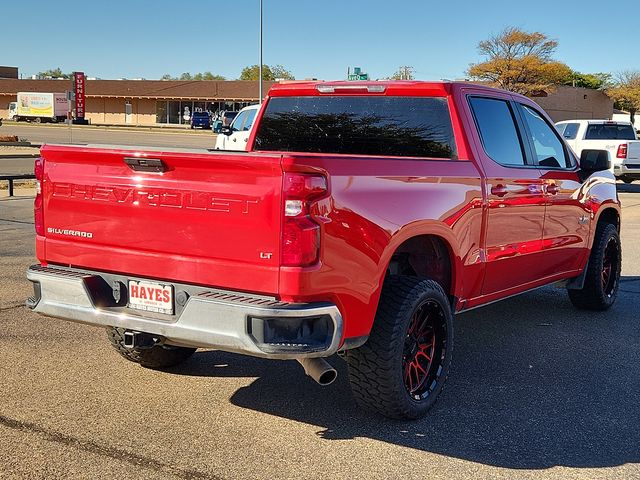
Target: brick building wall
574	103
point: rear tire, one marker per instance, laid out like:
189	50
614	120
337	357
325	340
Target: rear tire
627	179
37	120
602	279
158	356
402	368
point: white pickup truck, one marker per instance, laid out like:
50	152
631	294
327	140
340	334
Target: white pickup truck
618	138
236	135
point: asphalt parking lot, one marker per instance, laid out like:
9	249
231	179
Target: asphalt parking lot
537	390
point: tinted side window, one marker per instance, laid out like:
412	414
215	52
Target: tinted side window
547	147
571	131
497	128
560	127
365	125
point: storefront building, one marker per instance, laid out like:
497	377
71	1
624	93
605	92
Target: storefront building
143	102
153	102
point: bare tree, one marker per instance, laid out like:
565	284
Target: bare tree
626	92
520	61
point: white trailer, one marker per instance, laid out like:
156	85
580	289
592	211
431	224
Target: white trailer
41	107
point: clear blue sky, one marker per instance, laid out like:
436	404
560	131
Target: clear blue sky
311	38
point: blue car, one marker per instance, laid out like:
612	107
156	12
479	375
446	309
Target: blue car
200	119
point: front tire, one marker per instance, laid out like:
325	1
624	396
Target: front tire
158	356
402	368
602	279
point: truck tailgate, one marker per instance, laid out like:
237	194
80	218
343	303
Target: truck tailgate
633	152
210	218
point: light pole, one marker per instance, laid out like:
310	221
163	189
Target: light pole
260	65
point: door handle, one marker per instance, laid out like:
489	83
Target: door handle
552	189
499	190
140	164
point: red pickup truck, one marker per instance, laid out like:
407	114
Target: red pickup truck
361	218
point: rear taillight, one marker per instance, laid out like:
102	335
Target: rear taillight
622	151
38	213
300	234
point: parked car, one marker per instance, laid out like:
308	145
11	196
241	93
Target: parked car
236	135
363	216
618	138
200	119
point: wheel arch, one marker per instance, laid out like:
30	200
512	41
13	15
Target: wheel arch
609	213
430	252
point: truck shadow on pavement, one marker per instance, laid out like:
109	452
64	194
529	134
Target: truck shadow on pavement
535	383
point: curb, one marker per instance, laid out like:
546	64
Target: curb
114	126
20	155
16	144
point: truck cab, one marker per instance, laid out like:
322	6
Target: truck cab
13	110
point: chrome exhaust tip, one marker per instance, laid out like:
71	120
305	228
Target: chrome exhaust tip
319	369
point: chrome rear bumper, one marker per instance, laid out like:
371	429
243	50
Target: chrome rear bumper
228	321
627	170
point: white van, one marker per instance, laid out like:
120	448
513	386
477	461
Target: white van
236	135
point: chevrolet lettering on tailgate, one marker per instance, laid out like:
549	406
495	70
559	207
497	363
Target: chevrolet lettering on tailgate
154	197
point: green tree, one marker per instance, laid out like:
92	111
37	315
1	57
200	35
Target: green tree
268	73
197	76
281	73
595	81
626	92
520	61
207	76
54	73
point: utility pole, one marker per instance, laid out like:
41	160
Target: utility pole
405	73
260	67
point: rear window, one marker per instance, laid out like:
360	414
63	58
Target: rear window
200	114
388	126
610	131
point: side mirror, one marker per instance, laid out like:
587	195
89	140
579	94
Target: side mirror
595	160
226	131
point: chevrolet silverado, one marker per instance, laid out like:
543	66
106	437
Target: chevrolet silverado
361	218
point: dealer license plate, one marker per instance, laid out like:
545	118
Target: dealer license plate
151	297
